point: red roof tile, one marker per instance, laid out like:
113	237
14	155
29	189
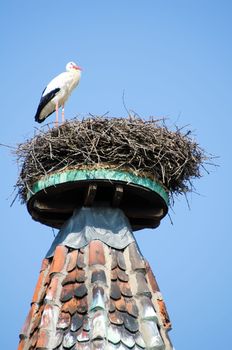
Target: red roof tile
96	253
40	288
72	262
26	327
116	317
151	279
52	289
70	277
36	319
21	344
59	259
67	293
43	339
164	314
45	264
80	260
70	306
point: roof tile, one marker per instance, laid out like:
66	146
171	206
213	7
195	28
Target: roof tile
47	279
116	317
86	323
125	289
164	314
114	274
127	339
43	339
82	346
36	319
52	290
111	346
63	320
40	288
25	329
131	307
82	336
130	323
139	340
80	290
21	345
80	260
49	323
98	344
80	275
70	306
47	319
147	309
98	276
114	334
69	340
98	325
137	262
142	287
72	262
57	339
70	277
111	306
98	300
82	305
114	262
151	335
121	260
115	292
77	322
34	338
120	304
67	292
122	276
59	259
96	253
151	278
136	347
45	264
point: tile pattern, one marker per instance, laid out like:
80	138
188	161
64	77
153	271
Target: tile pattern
96	297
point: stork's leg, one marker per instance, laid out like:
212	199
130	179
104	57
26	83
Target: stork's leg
62	114
57	115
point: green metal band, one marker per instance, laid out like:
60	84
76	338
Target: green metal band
97	174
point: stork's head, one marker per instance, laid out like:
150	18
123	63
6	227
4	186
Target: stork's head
72	66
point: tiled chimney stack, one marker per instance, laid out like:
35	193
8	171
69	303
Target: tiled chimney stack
95	290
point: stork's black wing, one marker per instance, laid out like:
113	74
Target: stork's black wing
43	101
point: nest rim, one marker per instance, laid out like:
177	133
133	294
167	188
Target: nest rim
78	175
55	197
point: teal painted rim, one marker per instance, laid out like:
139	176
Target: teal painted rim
97	174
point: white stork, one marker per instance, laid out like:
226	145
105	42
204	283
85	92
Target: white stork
57	92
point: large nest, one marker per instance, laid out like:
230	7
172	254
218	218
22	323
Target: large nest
146	148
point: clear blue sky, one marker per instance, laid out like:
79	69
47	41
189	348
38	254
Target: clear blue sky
172	58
